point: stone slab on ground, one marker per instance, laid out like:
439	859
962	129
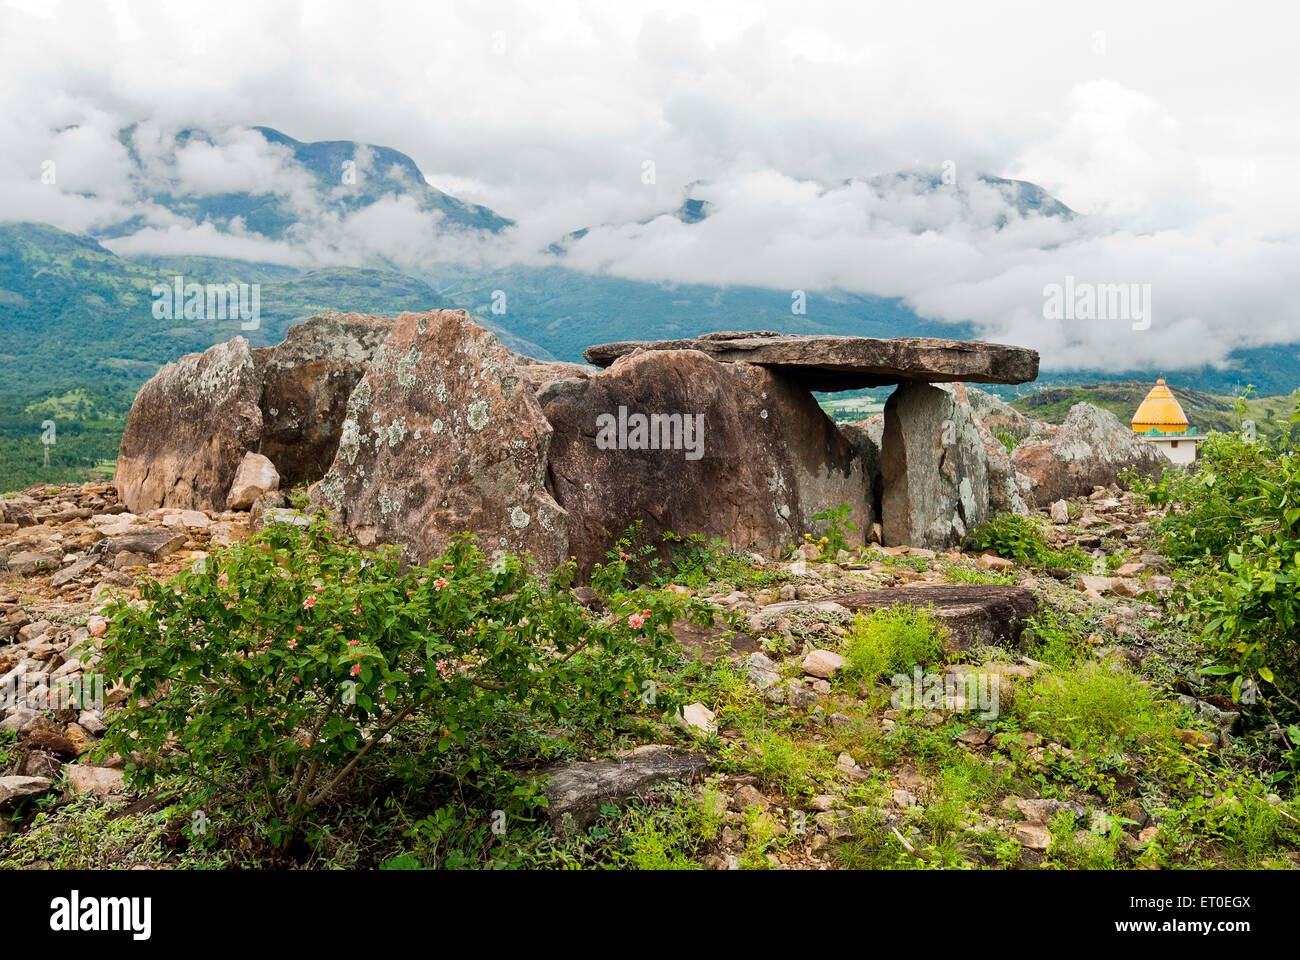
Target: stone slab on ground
975	614
579	789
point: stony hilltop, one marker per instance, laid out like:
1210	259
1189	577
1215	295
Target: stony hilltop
908	644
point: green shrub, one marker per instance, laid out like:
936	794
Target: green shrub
276	668
1092	703
1023	540
893	640
1237	517
1212	508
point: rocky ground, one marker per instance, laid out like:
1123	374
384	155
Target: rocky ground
786	762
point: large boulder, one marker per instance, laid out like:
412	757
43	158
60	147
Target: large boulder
934	465
194	421
1000	417
824	362
1008	490
691	446
442	436
1091	448
307	380
188	430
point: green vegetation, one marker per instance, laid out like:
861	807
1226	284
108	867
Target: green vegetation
87	431
1023	540
1236	522
892	640
287	662
1096	703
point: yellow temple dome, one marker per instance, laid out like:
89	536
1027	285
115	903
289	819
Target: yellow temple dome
1160	412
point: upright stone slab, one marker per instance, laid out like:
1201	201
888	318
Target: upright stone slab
934	468
188	430
1008	489
443	436
759	462
866	437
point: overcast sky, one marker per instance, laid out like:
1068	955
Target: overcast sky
1172	126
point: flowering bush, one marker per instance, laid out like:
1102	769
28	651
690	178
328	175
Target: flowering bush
284	662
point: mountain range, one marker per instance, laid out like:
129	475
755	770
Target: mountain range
77	319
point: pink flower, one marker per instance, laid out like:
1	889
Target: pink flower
353	643
439	583
309	603
442	667
292	644
298	628
356	668
635	621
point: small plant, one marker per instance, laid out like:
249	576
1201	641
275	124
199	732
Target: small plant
1084	849
762	834
694	561
779	760
1023	539
837	523
893	640
1096	703
670	835
965	572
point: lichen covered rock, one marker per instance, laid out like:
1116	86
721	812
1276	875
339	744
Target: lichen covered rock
688	445
188	430
1091	448
443	436
306	383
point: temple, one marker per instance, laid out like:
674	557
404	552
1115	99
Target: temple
1160	420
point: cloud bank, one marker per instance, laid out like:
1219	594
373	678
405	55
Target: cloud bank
789	119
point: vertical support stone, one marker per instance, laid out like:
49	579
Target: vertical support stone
934	468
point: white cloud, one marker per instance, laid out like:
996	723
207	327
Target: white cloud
1176	136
